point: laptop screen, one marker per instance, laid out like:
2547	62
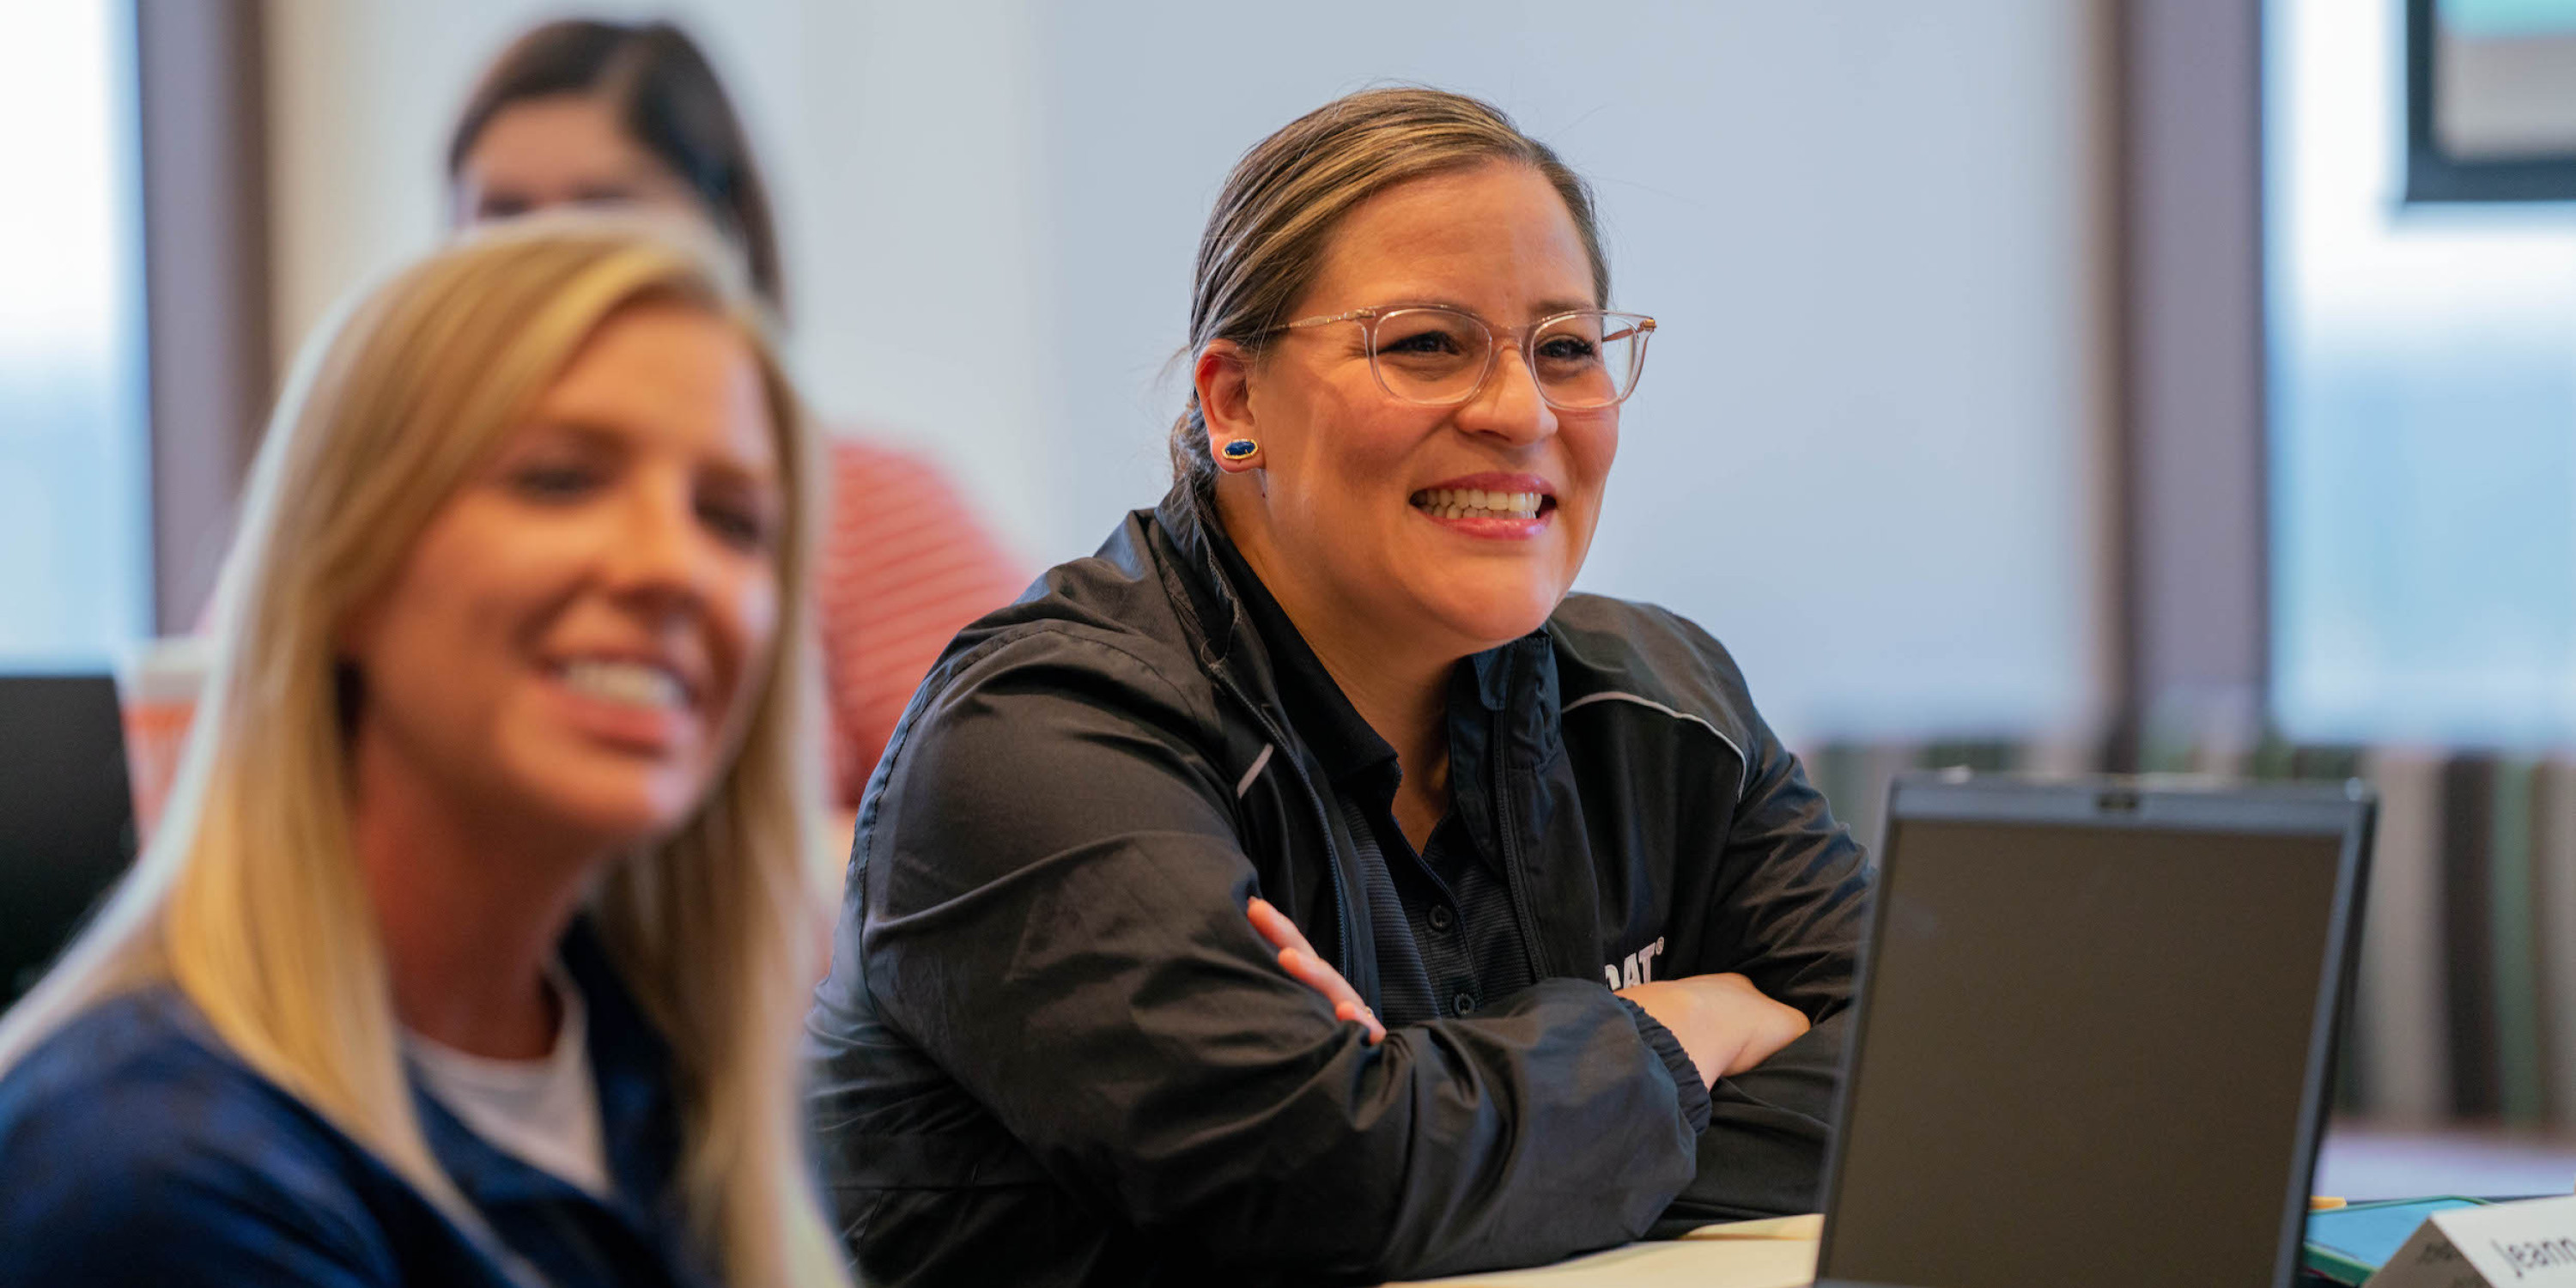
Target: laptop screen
66	820
2085	1054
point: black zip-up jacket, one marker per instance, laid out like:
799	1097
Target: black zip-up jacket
1052	1050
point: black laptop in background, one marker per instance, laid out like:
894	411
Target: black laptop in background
2094	1036
66	815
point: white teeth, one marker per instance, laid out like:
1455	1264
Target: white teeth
635	684
1474	503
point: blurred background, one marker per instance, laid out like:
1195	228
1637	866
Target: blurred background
2058	384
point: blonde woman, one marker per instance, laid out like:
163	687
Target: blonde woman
469	950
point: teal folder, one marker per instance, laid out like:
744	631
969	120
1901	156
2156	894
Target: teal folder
2349	1244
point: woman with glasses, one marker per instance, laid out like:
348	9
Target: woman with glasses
1306	885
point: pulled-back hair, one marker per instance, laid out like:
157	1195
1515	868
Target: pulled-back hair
1274	220
665	95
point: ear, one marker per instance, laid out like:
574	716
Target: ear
1222	377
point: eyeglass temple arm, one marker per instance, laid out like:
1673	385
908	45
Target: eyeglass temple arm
1352	316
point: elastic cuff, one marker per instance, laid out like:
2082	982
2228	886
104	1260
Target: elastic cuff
1677	1062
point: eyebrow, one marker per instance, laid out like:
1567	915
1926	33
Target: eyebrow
766	479
581	430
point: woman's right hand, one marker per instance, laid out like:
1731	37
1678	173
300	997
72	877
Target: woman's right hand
1725	1025
1298	958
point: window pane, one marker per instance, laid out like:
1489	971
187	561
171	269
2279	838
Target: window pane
75	581
2423	418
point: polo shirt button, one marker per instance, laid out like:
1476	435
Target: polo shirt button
1441	918
1463	1003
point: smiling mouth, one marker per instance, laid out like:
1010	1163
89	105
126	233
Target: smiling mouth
640	685
1474	503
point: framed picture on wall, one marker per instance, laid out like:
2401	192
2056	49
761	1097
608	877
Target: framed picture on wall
2490	100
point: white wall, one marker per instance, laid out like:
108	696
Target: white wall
1864	447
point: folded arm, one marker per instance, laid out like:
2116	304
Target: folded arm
1055	912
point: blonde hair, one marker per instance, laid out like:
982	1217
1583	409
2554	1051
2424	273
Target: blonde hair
249	898
1273	222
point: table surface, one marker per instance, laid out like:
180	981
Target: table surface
2358	1160
1778	1253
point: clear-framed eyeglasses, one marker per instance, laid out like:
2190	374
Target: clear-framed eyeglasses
1439	357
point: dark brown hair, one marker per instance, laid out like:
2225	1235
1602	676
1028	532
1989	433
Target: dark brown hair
666	96
1275	217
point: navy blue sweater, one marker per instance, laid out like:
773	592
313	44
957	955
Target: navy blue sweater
136	1148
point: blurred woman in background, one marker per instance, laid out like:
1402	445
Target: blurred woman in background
468	951
581	112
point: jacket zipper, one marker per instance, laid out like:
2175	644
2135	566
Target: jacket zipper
1323	822
1503	830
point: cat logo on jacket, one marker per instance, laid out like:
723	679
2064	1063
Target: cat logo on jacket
1638	969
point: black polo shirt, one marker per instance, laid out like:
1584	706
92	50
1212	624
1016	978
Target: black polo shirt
1448	940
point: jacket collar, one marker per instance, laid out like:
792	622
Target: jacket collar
1518	678
1312	701
1185	517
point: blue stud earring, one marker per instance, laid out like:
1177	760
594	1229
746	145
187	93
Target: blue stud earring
1238	449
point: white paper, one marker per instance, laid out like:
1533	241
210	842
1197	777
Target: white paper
2531	1244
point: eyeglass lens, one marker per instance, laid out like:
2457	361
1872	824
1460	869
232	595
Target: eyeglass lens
1440	356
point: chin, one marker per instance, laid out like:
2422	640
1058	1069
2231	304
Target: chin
616	806
1495	620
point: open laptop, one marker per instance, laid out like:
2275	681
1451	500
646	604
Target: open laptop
66	817
2095	1028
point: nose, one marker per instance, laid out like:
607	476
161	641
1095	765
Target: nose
659	558
1508	406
